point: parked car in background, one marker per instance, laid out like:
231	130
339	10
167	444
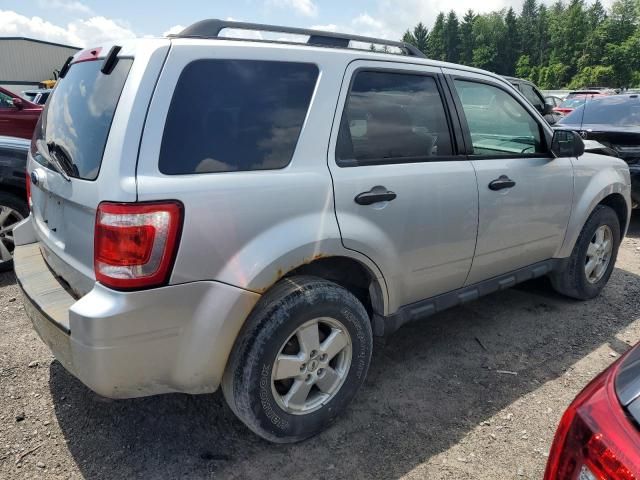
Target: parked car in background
536	98
613	121
599	434
13	195
317	196
569	105
18	117
39	96
553	101
590	92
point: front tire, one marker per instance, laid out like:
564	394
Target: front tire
593	257
299	360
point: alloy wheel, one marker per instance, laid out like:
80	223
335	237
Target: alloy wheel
311	366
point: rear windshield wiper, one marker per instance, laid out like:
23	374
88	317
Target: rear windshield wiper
43	150
60	154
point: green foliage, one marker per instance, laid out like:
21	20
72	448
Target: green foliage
571	44
436	40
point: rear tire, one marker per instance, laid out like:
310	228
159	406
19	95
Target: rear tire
581	279
12	210
299	360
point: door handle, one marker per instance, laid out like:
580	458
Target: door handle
501	182
375	195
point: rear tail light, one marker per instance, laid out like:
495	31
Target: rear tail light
28	187
135	243
595	440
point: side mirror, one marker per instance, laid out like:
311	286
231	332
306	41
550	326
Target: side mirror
548	109
566	143
17	102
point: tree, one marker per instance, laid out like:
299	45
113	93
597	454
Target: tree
452	38
573	44
624	19
418	37
466	38
543	37
596	15
508	48
527	27
436	42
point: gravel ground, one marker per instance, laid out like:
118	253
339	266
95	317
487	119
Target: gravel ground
435	404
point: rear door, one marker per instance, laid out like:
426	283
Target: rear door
403	195
525	193
84	152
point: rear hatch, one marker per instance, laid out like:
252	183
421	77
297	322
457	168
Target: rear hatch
85	147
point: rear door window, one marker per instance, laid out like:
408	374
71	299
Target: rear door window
75	123
236	115
393	118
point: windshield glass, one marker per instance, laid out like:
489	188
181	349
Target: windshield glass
620	111
75	123
573	102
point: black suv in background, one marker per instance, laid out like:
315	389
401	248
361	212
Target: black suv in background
536	98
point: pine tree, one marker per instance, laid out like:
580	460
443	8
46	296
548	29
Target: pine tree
436	42
509	45
452	38
466	38
421	34
527	28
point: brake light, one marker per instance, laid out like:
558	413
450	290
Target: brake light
87	55
28	185
135	243
595	440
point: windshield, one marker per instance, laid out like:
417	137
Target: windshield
75	123
620	111
573	102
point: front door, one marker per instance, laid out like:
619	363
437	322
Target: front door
525	193
403	195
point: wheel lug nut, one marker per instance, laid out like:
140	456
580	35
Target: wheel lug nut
303	367
313	353
320	371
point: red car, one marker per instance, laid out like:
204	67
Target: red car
18	117
599	435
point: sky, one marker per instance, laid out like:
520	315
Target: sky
86	23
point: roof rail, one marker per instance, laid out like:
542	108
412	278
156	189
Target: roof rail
212	28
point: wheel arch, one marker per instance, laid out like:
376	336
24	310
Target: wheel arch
606	187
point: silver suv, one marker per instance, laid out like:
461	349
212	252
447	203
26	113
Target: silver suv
211	211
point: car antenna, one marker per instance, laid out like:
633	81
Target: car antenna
584	107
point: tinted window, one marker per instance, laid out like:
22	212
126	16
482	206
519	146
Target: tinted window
620	111
531	95
234	115
498	124
75	124
393	117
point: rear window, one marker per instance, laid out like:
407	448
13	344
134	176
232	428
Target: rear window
75	123
236	115
620	111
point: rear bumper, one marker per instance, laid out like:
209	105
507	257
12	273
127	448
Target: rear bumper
132	344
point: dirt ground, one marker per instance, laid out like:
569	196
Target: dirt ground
434	405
